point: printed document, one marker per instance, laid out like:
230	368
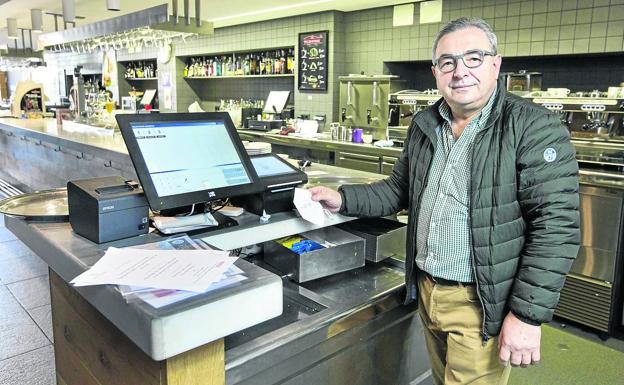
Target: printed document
190	270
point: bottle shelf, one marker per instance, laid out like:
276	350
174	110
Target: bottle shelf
141	78
240	76
271	62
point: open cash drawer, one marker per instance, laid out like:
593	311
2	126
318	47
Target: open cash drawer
342	251
384	237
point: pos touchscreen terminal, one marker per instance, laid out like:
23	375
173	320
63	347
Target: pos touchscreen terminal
183	159
278	179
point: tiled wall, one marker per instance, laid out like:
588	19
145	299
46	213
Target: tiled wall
269	34
524	28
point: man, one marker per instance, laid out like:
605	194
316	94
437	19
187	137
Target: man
490	182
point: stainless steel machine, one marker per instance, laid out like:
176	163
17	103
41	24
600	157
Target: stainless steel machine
364	102
593	294
402	106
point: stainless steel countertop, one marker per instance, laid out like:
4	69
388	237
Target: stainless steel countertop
319	144
332	299
47	129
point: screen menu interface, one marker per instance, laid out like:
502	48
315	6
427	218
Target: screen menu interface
184	157
270	166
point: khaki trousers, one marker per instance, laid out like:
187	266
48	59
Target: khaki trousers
452	322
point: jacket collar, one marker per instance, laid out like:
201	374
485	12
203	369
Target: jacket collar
430	118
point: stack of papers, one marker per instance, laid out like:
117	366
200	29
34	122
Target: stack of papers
163	273
162	297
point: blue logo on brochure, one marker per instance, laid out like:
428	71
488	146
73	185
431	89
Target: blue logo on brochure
550	154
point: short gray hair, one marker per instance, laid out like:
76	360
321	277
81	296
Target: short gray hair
463	23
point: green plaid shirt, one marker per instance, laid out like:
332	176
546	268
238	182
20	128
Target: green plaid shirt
443	247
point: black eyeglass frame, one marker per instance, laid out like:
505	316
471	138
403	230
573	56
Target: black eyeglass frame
481	52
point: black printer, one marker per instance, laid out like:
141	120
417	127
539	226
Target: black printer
107	209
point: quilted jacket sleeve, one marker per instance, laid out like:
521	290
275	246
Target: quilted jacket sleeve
385	197
548	195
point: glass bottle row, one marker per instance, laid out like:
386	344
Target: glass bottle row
140	70
274	62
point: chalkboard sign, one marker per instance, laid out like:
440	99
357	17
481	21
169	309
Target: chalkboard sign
313	61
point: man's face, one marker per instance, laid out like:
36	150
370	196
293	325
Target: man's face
466	89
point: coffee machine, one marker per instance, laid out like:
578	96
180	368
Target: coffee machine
402	106
588	115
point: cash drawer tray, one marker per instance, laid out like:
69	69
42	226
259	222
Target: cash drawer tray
345	253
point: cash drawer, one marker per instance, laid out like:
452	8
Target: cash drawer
343	251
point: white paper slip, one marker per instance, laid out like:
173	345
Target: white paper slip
309	210
191	270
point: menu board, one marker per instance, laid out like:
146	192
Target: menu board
313	61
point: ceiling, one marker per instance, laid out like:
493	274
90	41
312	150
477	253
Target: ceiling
221	13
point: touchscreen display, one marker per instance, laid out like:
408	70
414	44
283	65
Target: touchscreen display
204	156
270	166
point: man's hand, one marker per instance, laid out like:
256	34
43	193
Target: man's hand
519	342
330	199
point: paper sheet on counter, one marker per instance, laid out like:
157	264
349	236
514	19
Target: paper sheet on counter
190	270
309	210
158	298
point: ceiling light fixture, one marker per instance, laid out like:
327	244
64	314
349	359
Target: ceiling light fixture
12	28
113	5
36	19
69	11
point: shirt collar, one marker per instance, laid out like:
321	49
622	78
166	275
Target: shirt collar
445	112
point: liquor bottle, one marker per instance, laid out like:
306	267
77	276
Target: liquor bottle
277	64
139	71
252	65
193	69
186	70
198	68
283	66
262	64
289	62
269	64
246	66
239	66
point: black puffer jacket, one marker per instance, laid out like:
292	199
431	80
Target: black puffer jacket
523	207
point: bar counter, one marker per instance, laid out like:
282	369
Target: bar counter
348	328
331	329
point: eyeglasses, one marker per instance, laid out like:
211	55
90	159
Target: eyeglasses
472	59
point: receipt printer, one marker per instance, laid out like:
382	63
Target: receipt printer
107	209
